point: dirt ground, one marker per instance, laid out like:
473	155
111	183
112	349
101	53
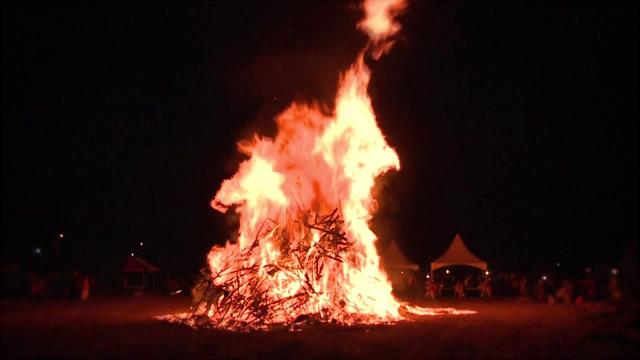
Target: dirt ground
126	328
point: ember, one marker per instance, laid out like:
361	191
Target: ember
304	199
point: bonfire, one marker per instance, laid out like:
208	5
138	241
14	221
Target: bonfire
304	250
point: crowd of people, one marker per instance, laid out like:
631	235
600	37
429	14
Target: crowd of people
435	287
541	288
74	285
68	285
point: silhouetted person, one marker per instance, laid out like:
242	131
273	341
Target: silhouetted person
431	289
540	290
467	282
459	289
487	290
523	286
86	284
614	290
564	294
37	286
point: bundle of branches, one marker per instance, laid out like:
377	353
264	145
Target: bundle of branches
243	294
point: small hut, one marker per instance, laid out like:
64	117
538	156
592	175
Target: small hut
139	275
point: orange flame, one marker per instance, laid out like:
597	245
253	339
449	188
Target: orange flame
380	25
320	162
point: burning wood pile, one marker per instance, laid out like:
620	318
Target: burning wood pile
316	261
239	298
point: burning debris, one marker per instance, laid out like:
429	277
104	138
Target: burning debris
304	251
238	298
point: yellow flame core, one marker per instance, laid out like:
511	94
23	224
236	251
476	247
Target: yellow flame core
320	162
323	162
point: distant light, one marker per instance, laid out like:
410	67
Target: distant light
61	235
401	272
588	269
37	251
428	276
486	272
141	243
558	263
544	277
614	271
132	254
447	271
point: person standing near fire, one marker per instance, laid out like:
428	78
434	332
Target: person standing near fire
86	284
431	289
486	289
459	289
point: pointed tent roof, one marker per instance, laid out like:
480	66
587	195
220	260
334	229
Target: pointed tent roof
138	264
394	257
458	254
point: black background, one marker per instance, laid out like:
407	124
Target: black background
516	124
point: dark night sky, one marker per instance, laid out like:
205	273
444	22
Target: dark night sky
516	124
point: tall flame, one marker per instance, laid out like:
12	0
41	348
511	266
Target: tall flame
322	162
319	162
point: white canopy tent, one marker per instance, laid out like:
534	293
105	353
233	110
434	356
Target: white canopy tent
394	258
399	269
458	254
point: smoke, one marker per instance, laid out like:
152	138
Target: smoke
379	24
